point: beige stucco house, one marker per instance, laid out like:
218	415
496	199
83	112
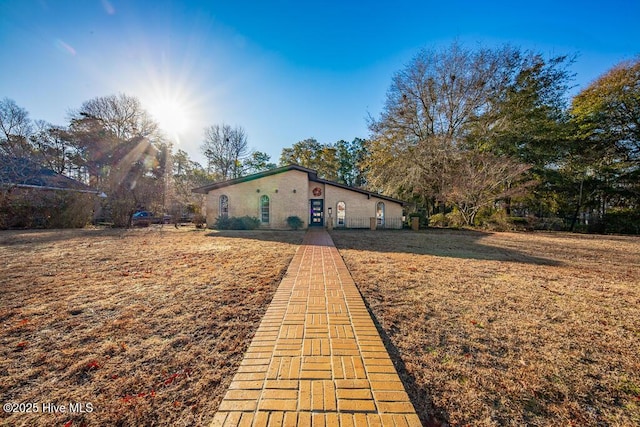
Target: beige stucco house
293	190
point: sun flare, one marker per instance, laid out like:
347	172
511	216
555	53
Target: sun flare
172	116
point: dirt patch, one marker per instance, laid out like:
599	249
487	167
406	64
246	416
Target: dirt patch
148	326
507	329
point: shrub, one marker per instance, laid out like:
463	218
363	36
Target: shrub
497	220
237	223
455	219
199	220
34	208
294	222
438	220
623	221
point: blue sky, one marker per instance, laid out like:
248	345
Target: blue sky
283	70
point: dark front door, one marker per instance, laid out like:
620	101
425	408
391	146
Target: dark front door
317	213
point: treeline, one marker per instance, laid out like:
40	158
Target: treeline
480	135
491	138
110	144
469	137
114	146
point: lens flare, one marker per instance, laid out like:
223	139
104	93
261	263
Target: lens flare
64	47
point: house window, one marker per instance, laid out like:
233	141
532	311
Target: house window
224	206
341	209
264	209
380	213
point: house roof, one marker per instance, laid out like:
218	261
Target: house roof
25	173
313	176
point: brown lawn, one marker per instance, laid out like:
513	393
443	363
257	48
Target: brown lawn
507	329
148	326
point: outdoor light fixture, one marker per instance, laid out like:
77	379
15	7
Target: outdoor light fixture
330	209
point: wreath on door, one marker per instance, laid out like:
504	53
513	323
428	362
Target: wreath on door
317	191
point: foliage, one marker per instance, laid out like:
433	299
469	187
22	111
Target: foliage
438	220
123	153
311	154
443	137
494	219
351	158
622	221
603	167
186	175
257	162
33	208
342	162
481	179
237	223
294	222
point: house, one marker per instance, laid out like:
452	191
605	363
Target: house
33	196
293	190
23	173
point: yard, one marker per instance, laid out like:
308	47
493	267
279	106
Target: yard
148	326
507	329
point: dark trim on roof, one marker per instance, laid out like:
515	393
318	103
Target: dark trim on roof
313	176
25	173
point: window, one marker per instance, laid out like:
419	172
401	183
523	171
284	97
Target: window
224	206
341	209
264	209
380	213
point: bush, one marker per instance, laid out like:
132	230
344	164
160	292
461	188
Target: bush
294	222
438	220
199	220
237	223
622	221
34	208
497	220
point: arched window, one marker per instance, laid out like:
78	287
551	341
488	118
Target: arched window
380	213
224	206
341	213
264	209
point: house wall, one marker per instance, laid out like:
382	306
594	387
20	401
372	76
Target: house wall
244	199
358	206
289	194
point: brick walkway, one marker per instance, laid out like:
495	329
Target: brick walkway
317	358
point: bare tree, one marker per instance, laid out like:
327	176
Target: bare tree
51	146
121	115
478	180
15	128
225	148
430	121
118	143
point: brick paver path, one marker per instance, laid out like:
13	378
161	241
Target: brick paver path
316	358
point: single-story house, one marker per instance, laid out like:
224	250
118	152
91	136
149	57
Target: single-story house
32	195
23	173
293	190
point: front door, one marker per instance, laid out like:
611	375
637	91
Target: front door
317	213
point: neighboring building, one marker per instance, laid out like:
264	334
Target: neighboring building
32	196
293	190
17	172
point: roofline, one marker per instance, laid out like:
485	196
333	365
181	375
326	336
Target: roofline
206	188
358	190
45	187
313	176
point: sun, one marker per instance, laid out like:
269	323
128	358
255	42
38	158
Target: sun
172	116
